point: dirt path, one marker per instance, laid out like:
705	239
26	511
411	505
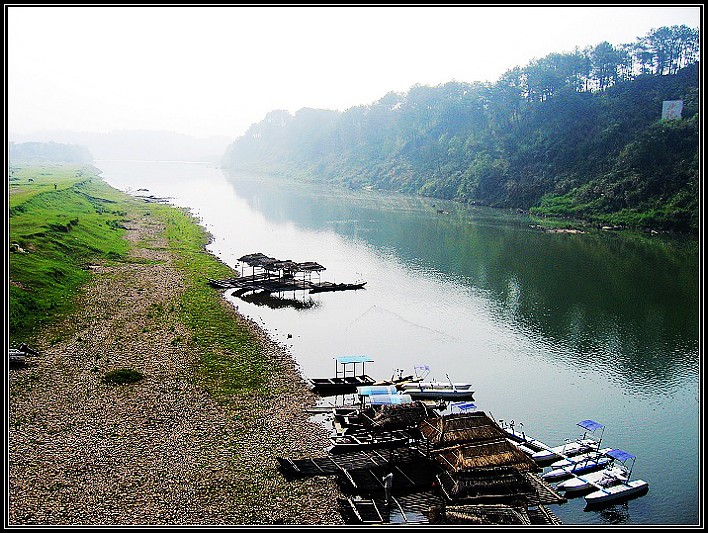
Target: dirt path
159	451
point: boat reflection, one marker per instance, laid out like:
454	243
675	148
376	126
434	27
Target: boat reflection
262	298
615	514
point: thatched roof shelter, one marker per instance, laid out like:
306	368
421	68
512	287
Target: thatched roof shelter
259	260
483	515
256	260
491	515
396	416
460	428
500	485
489	453
310	266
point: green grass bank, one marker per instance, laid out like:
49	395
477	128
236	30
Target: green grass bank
64	218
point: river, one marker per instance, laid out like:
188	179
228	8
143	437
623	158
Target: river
550	328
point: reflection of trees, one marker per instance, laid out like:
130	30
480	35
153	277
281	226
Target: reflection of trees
624	302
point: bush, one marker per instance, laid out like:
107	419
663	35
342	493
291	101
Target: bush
122	375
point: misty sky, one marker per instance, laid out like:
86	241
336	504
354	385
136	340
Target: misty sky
207	71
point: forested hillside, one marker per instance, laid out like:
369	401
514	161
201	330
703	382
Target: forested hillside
577	135
49	152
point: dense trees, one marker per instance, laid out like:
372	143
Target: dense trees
50	152
571	134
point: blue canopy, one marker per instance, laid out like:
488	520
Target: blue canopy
376	390
463	406
590	425
354	359
390	399
620	455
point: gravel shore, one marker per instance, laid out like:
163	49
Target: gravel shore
160	451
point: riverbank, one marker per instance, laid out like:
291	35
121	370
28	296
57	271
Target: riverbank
172	448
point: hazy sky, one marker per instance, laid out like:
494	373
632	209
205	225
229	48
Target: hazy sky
216	70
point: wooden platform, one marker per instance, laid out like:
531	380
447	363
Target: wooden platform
273	284
476	477
336	464
406	509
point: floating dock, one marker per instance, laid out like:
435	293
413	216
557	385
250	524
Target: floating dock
460	470
276	276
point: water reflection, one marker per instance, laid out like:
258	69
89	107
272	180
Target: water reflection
614	301
614	514
267	299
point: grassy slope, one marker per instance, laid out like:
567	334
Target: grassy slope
63	218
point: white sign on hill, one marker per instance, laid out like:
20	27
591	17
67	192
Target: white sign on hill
671	109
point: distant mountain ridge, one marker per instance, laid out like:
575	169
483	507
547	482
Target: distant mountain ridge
143	145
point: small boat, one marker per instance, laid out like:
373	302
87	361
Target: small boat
522	447
570	461
434	385
584	444
400	380
606	477
337	287
343	382
589	464
434	393
439	390
519	437
617	492
568	449
356	441
622	489
339	385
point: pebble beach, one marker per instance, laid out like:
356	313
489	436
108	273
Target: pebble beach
160	451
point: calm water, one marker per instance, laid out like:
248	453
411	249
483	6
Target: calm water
551	329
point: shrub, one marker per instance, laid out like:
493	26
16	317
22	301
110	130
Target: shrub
122	375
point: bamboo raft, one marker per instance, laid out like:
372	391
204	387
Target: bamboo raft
270	284
273	275
460	470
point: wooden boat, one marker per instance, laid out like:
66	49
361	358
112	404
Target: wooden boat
343	382
339	385
622	489
606	477
434	385
337	287
357	441
436	393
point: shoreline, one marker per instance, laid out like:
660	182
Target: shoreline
161	451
